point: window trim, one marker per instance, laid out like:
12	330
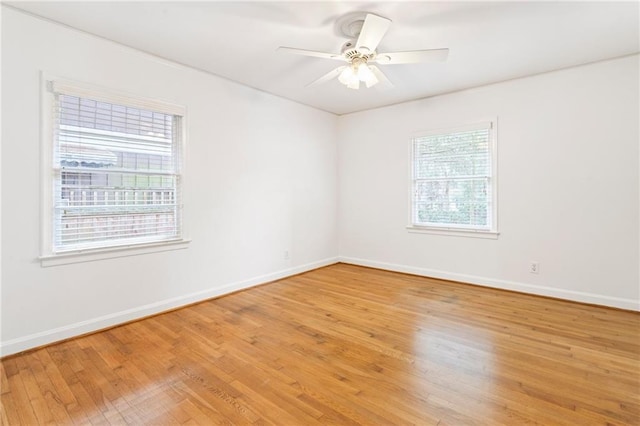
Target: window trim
459	231
89	255
48	257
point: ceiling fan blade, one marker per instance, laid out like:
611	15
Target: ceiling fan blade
412	57
382	79
373	29
313	53
328	76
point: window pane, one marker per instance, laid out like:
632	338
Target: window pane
92	114
455	202
453	182
452	155
117	181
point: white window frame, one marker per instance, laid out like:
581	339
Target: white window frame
48	257
451	229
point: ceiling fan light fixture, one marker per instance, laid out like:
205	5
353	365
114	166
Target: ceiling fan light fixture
347	76
371	82
358	71
366	75
350	76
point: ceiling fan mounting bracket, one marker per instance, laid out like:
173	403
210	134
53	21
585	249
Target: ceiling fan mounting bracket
350	24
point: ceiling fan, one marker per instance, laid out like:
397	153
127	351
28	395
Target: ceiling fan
361	54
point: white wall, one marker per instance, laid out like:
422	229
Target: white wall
568	186
260	179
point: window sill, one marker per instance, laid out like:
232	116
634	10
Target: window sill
492	235
90	255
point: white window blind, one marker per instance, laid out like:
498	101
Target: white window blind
452	179
116	173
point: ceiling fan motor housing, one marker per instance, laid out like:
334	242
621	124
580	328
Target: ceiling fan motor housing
350	52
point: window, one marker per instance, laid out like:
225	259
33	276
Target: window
115	172
453	183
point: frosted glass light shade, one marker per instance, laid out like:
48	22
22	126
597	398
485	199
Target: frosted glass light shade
352	75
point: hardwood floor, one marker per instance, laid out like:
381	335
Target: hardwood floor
342	345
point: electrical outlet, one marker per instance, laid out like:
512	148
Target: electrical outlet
286	255
534	267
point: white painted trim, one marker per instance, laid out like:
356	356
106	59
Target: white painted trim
90	255
484	124
575	296
92	91
46	163
46	337
462	232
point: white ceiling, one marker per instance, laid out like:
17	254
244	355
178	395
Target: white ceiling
488	41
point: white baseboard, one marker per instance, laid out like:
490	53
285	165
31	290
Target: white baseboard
576	296
46	337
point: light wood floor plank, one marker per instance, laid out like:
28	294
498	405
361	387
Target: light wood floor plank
342	345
